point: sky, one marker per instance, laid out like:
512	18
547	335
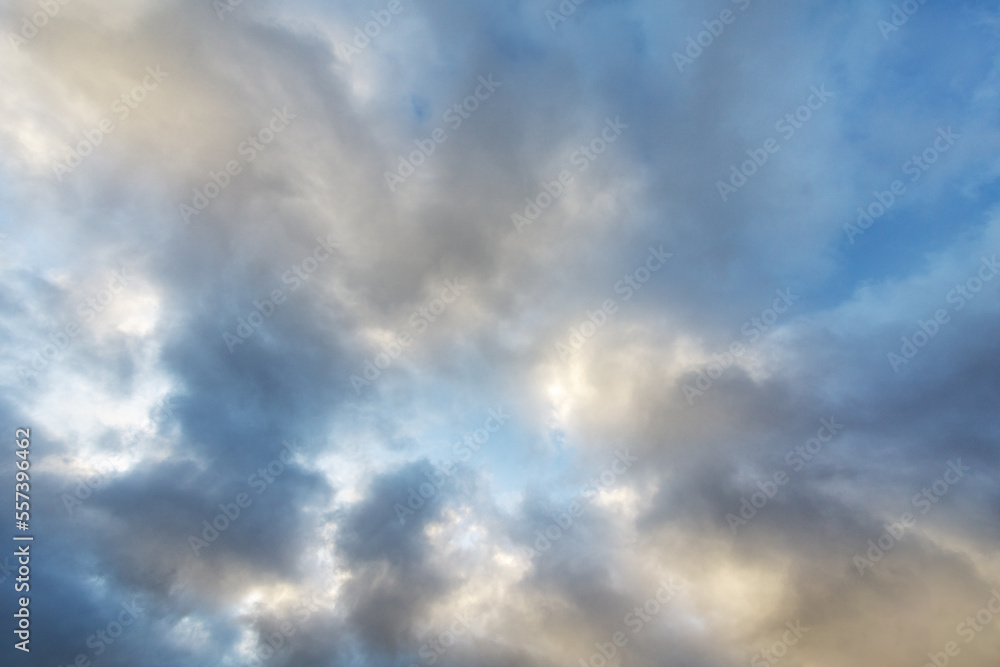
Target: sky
500	333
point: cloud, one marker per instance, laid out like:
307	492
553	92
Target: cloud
201	249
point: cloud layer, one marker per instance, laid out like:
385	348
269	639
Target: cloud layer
504	333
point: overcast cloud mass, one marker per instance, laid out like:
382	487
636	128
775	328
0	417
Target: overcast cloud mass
502	332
